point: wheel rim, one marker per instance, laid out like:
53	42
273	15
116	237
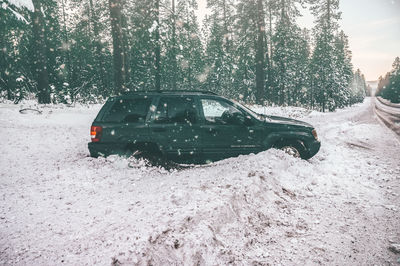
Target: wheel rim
291	151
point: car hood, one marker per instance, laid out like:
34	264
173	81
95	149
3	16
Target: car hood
285	121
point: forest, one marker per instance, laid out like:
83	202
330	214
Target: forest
389	85
254	51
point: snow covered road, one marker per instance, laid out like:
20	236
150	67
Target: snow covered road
59	206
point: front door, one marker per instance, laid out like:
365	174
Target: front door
226	130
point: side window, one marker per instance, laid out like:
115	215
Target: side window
129	110
179	110
220	112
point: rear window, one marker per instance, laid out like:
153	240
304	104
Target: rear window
176	110
128	110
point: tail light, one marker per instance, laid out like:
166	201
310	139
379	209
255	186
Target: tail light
314	132
95	133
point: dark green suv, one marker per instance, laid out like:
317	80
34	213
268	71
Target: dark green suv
193	127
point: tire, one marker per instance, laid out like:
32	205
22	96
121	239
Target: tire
295	148
152	156
289	149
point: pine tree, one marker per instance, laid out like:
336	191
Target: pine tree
190	52
357	92
324	72
286	55
145	22
219	55
170	26
53	39
344	73
391	84
301	93
260	54
90	71
157	48
249	49
244	68
250	58
383	82
101	82
16	78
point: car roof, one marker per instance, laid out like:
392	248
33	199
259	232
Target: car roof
168	92
173	93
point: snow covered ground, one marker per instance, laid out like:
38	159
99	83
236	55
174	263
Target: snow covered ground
59	206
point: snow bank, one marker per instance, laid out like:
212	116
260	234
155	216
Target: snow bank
62	206
22	3
292	112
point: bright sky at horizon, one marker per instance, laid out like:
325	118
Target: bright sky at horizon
373	28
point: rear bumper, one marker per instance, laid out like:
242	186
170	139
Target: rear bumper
97	149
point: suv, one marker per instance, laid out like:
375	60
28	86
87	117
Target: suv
193	127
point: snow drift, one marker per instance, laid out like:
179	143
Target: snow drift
61	206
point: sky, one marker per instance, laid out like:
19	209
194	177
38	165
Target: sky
373	27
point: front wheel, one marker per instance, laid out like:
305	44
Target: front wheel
293	148
291	151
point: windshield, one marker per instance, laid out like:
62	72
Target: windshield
254	114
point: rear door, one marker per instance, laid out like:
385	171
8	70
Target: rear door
175	127
125	121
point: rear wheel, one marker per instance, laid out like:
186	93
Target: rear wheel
146	151
151	155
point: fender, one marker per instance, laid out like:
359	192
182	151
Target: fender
274	137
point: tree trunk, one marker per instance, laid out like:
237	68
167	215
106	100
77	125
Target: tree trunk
42	76
269	93
270	30
226	37
260	61
174	63
98	56
157	48
67	55
118	51
125	49
11	88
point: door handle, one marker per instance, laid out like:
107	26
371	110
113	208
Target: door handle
159	129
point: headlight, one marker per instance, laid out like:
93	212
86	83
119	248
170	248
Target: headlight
314	132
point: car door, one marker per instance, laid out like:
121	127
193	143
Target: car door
125	121
175	127
226	130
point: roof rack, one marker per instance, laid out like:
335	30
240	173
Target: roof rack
170	91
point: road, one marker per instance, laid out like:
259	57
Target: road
388	113
60	206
